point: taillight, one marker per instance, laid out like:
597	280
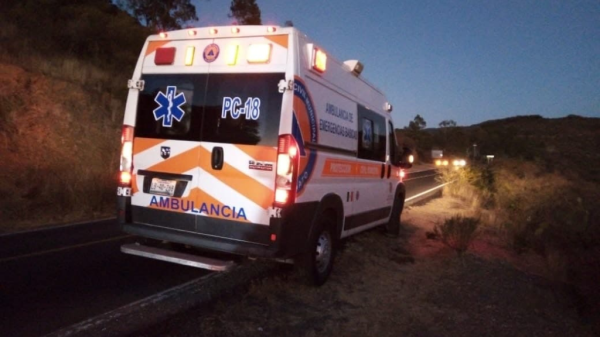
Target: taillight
401	174
126	165
287	166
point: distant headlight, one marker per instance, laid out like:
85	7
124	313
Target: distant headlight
445	163
438	162
456	162
463	162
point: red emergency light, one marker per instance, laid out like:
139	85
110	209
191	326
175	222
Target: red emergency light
164	56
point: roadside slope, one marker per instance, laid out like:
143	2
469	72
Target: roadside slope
58	148
409	286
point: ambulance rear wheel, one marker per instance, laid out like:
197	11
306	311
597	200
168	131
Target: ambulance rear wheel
317	262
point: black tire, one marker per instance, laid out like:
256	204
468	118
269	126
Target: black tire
316	264
392	228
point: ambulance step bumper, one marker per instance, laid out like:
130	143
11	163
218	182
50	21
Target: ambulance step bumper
177	257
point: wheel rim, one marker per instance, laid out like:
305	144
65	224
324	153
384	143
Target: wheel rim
323	253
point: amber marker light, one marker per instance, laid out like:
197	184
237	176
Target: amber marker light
189	56
232	54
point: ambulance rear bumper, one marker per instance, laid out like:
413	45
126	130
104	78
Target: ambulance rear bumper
284	237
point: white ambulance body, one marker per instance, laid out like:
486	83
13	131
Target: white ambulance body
253	141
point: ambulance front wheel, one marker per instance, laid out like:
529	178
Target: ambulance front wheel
317	262
393	226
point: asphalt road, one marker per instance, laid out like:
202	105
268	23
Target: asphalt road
56	277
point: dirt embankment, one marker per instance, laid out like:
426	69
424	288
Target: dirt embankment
59	150
411	286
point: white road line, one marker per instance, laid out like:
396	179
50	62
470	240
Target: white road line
50	227
63	248
433	175
425	192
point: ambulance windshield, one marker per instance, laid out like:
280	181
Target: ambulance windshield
221	108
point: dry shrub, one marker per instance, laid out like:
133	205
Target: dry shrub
458	232
466	184
538	210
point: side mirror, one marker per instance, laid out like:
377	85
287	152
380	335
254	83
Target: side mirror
403	159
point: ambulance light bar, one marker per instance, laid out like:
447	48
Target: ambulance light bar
319	60
189	56
259	53
164	56
232	54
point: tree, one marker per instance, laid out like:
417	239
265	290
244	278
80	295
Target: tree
246	12
447	124
417	124
160	14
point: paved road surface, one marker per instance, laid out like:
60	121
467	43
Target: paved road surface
56	277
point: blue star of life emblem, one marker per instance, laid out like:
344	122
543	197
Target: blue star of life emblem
169	106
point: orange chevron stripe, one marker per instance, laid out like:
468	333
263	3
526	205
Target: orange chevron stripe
134	187
180	163
260	153
239	181
143	144
154	45
281	40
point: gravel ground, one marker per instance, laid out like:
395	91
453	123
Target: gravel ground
410	286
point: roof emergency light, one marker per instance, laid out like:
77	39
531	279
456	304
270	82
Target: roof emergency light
164	56
232	54
319	60
355	66
235	30
259	53
213	31
271	29
192	32
189	55
163	35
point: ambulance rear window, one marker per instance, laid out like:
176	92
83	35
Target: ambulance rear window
221	108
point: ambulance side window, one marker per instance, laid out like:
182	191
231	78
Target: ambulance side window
392	141
371	135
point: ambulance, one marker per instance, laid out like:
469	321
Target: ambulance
253	142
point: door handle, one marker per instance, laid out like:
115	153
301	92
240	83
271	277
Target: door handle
389	170
217	158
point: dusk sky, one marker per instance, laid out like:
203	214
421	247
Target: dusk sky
465	60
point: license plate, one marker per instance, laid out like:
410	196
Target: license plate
162	186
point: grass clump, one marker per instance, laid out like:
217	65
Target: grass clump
458	232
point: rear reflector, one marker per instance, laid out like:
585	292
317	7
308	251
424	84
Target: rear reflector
164	56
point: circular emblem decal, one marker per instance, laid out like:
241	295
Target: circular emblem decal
211	52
